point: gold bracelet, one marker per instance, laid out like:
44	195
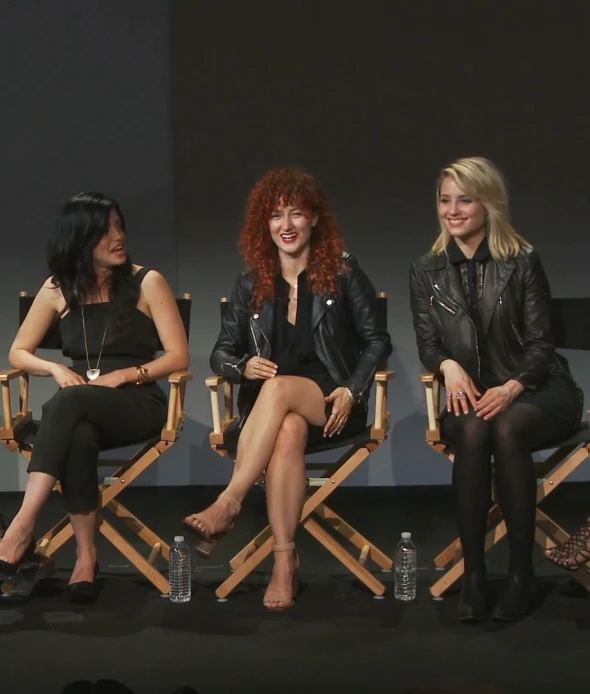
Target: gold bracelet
142	373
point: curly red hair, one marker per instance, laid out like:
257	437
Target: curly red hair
297	188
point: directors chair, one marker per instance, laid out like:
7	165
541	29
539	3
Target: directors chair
316	514
18	434
571	328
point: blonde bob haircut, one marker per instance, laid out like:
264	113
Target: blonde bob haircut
480	179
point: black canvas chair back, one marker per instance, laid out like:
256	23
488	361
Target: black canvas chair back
52	339
570	320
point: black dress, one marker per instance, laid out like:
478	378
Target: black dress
80	421
293	352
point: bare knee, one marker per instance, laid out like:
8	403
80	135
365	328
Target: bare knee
293	432
275	389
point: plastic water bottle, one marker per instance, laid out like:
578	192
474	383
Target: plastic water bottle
180	571
405	569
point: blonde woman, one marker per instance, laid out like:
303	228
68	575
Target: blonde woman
481	308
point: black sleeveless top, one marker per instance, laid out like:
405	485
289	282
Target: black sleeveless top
139	345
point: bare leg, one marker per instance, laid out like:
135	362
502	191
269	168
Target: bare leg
19	533
285	491
84	525
279	396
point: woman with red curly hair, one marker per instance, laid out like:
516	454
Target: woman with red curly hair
300	336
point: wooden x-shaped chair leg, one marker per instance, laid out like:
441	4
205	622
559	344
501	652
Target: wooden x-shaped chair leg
259	548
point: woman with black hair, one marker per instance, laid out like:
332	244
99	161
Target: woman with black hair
111	314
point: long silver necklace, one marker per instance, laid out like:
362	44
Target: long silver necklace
92	374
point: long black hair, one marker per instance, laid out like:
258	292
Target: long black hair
83	222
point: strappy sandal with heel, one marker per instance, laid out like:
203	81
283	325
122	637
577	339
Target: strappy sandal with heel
200	528
282	603
573	553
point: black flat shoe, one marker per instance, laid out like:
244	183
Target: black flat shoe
33	569
9	569
515	600
83	592
473	603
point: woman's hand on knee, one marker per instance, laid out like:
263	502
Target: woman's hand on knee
341	406
259	368
65	377
496	400
459	388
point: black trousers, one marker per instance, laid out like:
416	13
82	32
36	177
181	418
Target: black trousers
531	422
80	421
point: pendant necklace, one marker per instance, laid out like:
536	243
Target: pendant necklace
92	374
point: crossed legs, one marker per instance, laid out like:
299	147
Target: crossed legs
76	422
273	440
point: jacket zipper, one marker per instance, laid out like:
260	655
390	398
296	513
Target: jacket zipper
258	350
255	340
512	327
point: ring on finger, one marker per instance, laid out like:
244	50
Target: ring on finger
459	393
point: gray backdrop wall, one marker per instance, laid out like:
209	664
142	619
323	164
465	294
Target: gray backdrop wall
373	100
85	105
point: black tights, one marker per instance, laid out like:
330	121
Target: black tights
510	438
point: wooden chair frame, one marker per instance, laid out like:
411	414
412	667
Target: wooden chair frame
127	471
550	474
318	490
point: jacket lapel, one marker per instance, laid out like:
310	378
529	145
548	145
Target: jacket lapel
497	274
263	321
320	305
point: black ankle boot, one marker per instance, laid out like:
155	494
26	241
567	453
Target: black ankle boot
473	603
514	601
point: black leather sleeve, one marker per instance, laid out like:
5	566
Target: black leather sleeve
428	331
538	345
230	353
375	343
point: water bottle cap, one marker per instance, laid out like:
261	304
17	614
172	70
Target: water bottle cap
179	538
406	536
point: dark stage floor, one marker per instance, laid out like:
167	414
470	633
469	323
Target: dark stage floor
337	637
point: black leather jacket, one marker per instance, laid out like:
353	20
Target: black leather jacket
515	314
346	337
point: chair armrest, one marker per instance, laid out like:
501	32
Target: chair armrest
432	388
180	377
213	383
381	424
12	424
9	374
175	419
384	376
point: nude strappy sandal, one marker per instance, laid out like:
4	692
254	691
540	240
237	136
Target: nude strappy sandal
209	540
282	603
